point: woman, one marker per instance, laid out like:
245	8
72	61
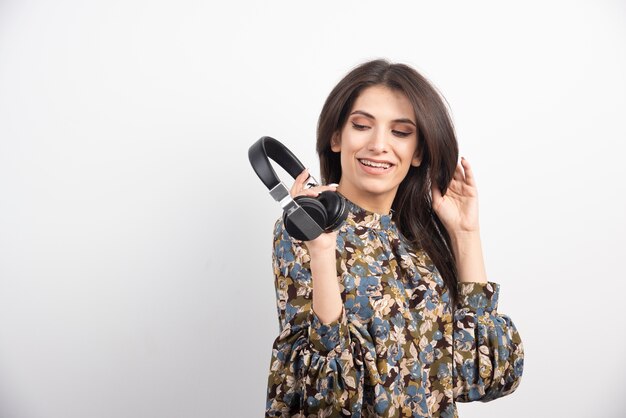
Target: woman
392	314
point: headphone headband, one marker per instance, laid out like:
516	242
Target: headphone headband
258	154
268	147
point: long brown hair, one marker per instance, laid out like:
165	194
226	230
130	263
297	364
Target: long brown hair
437	145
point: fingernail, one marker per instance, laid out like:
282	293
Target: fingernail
333	184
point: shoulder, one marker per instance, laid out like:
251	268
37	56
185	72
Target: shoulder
285	246
280	232
278	227
287	251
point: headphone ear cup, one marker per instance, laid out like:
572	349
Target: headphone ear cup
313	208
336	209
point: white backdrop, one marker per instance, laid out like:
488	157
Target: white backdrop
135	239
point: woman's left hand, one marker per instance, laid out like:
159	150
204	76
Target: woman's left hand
458	209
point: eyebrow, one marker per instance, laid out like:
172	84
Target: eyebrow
369	115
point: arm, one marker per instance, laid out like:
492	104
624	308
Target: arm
488	354
312	367
488	351
327	302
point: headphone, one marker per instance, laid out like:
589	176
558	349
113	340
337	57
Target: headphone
305	217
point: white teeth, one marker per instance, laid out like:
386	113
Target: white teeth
373	164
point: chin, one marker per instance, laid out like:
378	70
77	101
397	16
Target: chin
378	189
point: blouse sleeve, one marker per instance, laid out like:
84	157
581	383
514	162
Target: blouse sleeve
312	369
488	350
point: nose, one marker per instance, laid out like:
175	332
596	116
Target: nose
378	141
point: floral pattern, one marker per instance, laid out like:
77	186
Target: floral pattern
399	349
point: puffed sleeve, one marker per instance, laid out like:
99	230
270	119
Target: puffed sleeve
312	369
488	350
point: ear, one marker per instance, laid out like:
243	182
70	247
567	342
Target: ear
335	142
417	158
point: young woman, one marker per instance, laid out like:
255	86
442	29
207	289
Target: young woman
392	314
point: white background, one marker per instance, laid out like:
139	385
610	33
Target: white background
135	238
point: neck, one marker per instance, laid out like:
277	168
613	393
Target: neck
374	202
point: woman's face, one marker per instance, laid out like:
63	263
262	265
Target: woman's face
378	144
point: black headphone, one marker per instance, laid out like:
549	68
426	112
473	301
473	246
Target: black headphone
305	217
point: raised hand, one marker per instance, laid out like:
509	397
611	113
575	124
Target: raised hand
458	208
327	241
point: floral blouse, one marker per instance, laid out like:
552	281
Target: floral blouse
399	349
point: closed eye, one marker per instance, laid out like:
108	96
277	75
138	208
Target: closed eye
402	134
359	127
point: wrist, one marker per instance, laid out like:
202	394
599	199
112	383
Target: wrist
465	235
467	248
321	251
322	256
465	243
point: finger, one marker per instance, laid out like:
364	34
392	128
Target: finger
321	189
294	189
304	180
436	198
436	193
458	172
331	186
315	191
298	183
469	173
303	175
309	193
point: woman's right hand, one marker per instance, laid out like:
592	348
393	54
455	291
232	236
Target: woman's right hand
327	241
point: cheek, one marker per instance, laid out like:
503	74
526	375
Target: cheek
409	152
345	160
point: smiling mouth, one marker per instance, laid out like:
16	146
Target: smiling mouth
372	164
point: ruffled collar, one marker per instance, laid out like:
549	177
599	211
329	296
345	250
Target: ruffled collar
358	216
